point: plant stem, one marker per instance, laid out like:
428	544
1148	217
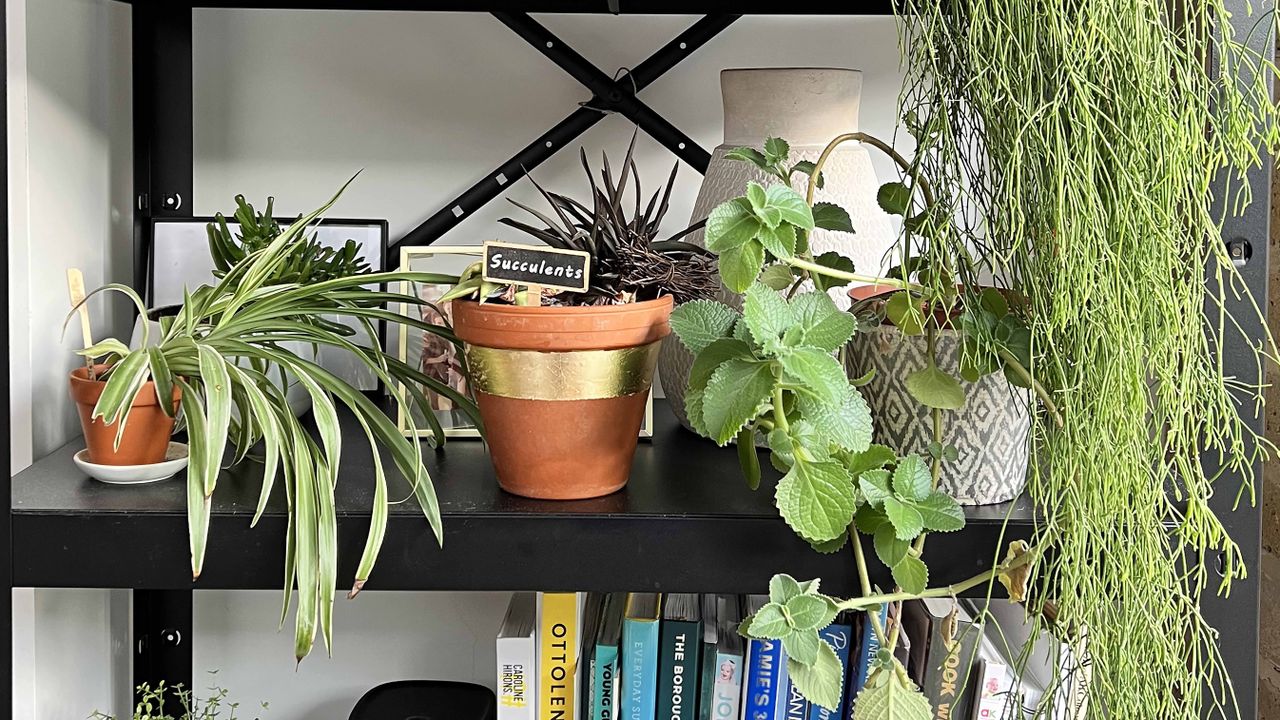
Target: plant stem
882	146
803	264
1012	363
779	416
865	579
939	592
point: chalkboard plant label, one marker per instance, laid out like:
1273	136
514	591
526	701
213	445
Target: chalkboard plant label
512	264
562	378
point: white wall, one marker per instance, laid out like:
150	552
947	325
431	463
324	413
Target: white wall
290	104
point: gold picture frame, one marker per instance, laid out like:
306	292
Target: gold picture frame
438	359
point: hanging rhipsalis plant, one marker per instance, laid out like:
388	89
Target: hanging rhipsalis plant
1078	143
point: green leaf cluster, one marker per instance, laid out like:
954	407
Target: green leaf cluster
223	348
771	370
901	504
310	262
794	615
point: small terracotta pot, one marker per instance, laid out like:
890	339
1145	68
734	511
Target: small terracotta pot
562	390
146	434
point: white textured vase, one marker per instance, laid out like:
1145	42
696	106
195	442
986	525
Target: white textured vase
807	107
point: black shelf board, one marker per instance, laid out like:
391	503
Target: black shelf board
686	522
621	7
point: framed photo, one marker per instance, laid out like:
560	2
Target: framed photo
436	357
180	259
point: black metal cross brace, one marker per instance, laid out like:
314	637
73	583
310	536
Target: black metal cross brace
609	95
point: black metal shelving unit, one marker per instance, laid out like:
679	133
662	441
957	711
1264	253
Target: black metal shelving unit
685	523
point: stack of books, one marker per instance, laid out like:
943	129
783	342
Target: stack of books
645	656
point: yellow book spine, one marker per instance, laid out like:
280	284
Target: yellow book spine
558	657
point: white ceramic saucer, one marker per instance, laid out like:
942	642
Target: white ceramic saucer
175	458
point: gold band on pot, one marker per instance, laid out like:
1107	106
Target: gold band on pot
577	375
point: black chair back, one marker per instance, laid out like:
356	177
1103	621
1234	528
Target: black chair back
427	700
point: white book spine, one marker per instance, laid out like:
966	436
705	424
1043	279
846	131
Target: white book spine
517	678
727	693
992	700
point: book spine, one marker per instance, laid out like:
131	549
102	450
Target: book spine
839	637
640	665
726	693
764	673
947	674
558	622
993	691
781	702
516	678
604	683
795	707
678	670
707	681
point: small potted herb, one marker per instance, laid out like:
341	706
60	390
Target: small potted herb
161	702
563	384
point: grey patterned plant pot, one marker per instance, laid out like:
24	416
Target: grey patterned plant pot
990	431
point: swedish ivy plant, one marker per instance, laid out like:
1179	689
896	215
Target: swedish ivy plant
771	372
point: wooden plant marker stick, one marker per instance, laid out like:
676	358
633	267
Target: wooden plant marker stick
531	296
75	285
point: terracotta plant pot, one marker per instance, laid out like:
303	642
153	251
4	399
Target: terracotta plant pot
146	434
562	390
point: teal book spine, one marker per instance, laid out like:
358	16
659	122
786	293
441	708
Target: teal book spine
678	670
604	683
640	665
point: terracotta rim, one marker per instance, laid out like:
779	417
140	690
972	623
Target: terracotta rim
87	392
595	327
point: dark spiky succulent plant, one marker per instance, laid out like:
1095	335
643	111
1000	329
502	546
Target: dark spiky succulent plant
311	263
628	262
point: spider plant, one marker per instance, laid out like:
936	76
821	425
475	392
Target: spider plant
628	261
220	348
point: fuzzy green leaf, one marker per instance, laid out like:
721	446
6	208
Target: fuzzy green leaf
730	226
779	239
783	587
888	547
828	547
766	313
940	513
829	216
875	488
736	394
756	196
778	277
935	388
802	645
816	499
906	520
888	695
819	374
792	206
712	357
740	266
701	322
807	611
770	622
776	150
873	458
911	478
847	424
822	683
911	574
825	326
748	155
